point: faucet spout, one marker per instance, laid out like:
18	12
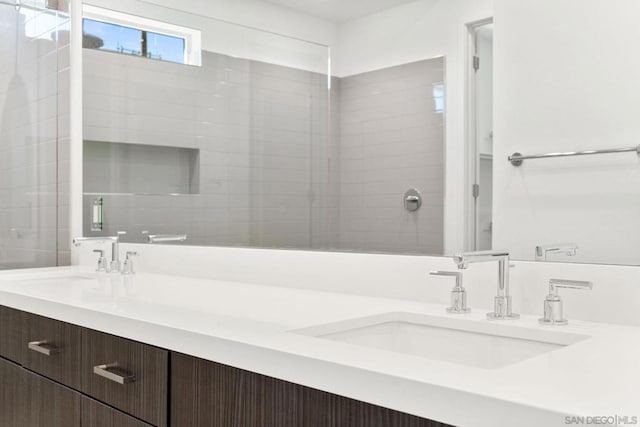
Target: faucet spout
568	249
115	249
502	301
78	241
464	259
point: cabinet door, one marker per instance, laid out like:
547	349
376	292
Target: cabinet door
48	404
127	375
95	414
207	394
52	348
10	394
11	334
29	400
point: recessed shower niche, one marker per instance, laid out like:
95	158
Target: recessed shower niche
137	187
118	168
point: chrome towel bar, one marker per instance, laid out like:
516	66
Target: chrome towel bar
516	159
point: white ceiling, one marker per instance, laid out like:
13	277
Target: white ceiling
339	10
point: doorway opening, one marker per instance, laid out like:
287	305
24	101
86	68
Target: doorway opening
480	136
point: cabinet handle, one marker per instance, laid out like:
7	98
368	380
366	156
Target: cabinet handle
43	347
113	373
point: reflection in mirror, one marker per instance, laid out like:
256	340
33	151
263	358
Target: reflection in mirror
258	146
34	134
270	141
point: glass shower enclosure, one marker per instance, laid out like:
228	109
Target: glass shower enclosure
34	134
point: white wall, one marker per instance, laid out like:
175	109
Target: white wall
421	30
256	14
566	76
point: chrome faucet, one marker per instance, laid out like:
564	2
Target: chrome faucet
502	301
160	238
553	303
102	261
567	248
127	265
458	293
114	266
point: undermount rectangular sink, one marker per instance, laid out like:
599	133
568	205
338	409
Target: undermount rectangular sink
47	275
482	344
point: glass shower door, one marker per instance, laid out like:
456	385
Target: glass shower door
31	38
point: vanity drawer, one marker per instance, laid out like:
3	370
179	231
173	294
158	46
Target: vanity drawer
10	334
95	414
130	376
30	400
51	348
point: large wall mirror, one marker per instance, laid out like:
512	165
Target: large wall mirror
240	136
256	143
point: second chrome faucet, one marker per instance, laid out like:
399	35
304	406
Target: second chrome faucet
115	266
502	301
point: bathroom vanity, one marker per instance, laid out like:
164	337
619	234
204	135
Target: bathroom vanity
81	348
61	380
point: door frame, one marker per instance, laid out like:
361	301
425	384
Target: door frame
472	156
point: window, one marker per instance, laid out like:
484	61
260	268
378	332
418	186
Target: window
438	97
131	35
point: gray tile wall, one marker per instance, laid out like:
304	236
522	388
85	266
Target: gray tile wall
34	131
259	129
391	140
283	162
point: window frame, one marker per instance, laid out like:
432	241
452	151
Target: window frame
192	38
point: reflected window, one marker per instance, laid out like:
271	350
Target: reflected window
114	31
132	41
438	97
164	47
111	37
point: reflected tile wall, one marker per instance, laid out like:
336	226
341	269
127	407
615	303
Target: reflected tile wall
33	135
254	125
391	140
284	162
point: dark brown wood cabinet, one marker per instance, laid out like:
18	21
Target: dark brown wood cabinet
138	385
96	414
146	396
47	403
208	394
11	334
10	393
28	399
46	365
51	348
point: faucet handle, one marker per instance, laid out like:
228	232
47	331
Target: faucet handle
458	293
554	284
127	265
455	274
553	303
102	261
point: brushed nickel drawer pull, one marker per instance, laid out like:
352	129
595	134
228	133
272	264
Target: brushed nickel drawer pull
43	347
113	373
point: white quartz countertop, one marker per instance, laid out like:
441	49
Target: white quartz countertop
250	327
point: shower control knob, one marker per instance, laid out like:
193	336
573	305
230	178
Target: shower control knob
412	200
